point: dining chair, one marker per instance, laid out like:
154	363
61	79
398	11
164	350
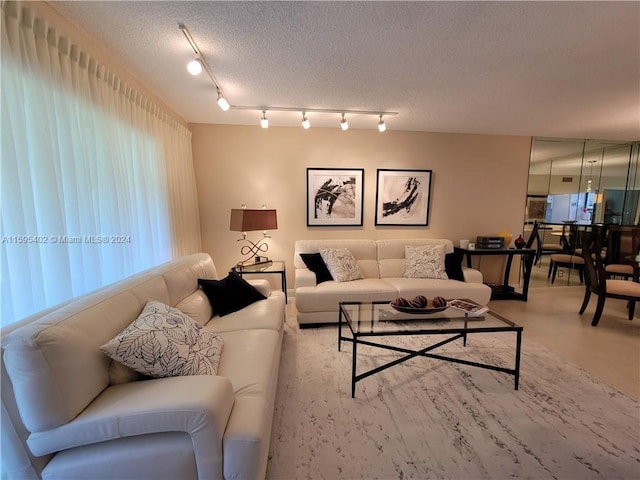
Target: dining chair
596	280
569	259
532	242
624	242
548	248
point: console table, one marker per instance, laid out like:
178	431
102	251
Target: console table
506	291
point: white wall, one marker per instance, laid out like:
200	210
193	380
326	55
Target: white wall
479	182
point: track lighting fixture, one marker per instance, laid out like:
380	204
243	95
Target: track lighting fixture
195	67
381	125
344	125
199	63
305	121
222	102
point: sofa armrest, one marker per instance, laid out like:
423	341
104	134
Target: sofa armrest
199	405
263	286
305	278
472	275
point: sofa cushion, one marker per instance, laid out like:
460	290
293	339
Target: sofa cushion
197	307
341	263
268	314
315	263
453	265
164	342
425	261
326	296
391	253
230	294
363	250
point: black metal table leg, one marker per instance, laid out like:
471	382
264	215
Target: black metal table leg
518	349
353	366
339	328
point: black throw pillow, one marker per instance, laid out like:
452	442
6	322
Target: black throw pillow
453	265
315	263
229	294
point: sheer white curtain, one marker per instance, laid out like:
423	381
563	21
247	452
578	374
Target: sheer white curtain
97	180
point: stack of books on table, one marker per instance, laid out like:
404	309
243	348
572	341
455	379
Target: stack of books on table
489	242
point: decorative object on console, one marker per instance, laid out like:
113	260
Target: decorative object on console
506	234
230	294
519	242
334	196
402	197
246	220
164	342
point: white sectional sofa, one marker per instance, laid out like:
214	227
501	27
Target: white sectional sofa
382	264
64	416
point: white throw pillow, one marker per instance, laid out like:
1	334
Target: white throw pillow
425	261
164	342
341	264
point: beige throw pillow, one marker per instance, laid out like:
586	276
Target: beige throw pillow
164	342
425	261
341	264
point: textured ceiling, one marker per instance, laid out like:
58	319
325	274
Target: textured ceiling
517	68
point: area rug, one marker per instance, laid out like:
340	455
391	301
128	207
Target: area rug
426	419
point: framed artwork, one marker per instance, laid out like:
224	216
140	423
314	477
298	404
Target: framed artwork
402	197
334	196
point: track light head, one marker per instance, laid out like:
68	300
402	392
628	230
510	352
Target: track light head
305	121
195	67
381	125
222	102
264	121
344	125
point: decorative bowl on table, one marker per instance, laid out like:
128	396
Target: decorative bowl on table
419	305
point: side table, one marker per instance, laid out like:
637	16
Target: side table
506	291
276	267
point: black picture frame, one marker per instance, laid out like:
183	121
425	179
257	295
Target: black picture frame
335	197
403	197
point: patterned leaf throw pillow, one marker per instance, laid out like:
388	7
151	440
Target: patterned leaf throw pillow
341	264
425	261
164	342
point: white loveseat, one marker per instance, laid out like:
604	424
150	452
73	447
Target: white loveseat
63	417
382	264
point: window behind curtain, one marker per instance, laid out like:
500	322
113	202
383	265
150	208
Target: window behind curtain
85	197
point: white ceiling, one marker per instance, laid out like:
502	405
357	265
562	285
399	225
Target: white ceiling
554	69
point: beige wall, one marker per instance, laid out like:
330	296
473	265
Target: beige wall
479	182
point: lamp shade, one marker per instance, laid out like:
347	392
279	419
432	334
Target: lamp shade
245	220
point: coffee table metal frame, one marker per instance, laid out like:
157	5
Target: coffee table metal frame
456	333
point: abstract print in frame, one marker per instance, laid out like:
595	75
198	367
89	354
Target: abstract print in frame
334	196
402	197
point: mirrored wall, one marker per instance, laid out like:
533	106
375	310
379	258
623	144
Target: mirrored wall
583	181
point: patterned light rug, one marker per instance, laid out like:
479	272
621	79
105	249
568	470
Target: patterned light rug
427	419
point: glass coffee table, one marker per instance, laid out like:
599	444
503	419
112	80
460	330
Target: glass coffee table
379	319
